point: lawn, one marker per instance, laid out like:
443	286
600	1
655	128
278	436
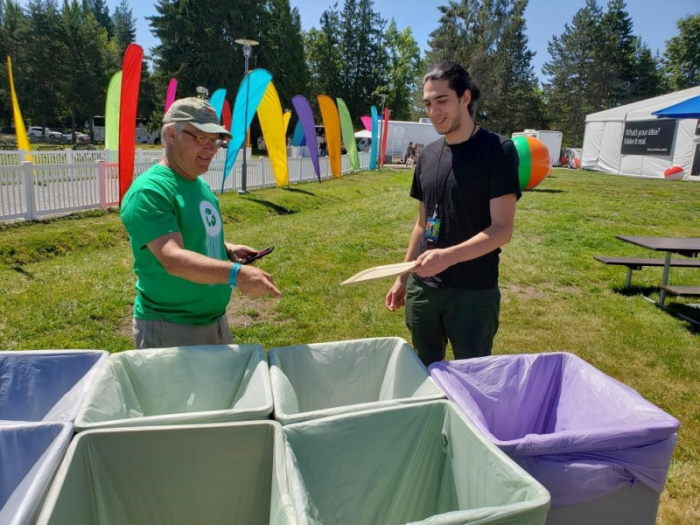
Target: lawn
68	283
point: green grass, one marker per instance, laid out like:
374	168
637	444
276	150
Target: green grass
68	283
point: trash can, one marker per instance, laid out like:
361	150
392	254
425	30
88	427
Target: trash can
316	380
215	474
417	463
46	385
601	449
181	385
29	456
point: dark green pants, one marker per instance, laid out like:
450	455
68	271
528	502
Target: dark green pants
468	319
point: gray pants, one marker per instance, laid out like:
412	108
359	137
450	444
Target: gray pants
162	334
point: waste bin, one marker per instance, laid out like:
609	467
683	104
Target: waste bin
215	474
601	449
46	385
181	385
316	380
29	456
418	463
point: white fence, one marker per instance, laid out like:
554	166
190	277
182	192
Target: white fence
59	182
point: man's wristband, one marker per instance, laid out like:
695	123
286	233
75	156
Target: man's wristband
233	274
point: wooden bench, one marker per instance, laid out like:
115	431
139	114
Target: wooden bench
689	291
637	263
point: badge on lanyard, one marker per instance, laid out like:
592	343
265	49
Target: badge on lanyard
432	228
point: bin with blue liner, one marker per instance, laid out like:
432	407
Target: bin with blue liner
29	456
599	447
46	385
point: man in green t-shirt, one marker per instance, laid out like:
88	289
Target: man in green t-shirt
184	268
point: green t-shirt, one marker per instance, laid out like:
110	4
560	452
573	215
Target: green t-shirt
160	202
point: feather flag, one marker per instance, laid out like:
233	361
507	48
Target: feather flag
248	98
375	128
272	124
226	115
331	125
286	117
348	135
112	112
217	101
21	133
170	95
366	122
306	117
298	136
385	136
128	107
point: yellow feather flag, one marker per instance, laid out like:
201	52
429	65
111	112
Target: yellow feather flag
22	139
273	128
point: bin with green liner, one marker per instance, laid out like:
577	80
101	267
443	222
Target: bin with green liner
321	379
179	386
418	463
221	473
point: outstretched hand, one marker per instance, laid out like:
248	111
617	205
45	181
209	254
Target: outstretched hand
254	282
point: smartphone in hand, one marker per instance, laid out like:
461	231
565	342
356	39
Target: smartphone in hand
256	256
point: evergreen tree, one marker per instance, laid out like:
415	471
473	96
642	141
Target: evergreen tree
682	56
323	55
648	81
14	32
282	50
405	69
100	10
615	64
124	25
488	38
574	82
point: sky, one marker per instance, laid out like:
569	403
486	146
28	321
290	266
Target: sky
653	20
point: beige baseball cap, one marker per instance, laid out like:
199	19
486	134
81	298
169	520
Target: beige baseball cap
197	112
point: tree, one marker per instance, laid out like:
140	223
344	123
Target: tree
404	70
488	38
14	31
124	25
682	56
100	11
573	88
323	55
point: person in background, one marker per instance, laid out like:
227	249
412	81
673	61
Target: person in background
185	270
467	186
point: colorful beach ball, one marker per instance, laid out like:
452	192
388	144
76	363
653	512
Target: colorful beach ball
535	163
673	173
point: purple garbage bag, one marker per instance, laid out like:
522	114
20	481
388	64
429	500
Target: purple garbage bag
579	432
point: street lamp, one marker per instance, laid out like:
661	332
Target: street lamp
247	48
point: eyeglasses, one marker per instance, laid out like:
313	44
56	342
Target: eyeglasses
204	141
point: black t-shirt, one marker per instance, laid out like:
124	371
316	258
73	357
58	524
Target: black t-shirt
461	179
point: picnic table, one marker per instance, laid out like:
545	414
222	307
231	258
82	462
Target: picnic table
685	246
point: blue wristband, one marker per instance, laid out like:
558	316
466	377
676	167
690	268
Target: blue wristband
233	274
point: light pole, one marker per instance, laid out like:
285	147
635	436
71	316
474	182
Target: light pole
247	48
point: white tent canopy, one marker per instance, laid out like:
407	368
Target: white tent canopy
621	140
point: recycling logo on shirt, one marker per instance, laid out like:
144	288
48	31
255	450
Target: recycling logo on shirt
210	218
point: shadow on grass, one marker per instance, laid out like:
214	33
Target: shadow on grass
689	314
24	272
635	290
279	210
544	190
297	190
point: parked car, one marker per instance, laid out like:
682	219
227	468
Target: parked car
49	134
79	136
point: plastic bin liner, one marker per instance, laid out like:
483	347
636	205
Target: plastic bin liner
183	385
45	385
418	463
578	431
209	474
29	456
321	379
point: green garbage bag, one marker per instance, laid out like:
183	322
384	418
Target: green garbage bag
420	463
168	475
321	379
183	385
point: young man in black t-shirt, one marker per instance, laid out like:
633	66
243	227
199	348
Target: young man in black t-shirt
467	187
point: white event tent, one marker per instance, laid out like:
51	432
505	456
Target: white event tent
632	140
